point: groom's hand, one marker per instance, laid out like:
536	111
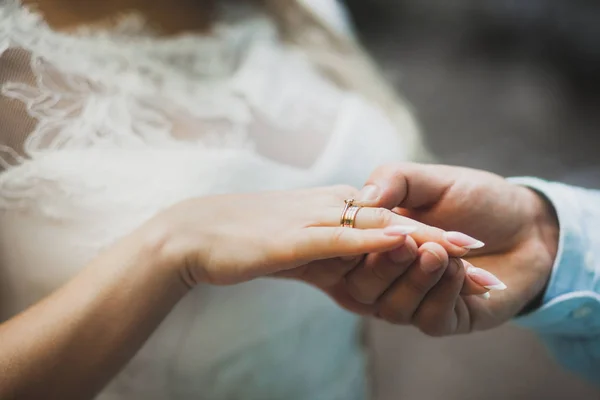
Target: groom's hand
518	227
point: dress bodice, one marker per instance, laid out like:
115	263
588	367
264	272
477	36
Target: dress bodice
100	130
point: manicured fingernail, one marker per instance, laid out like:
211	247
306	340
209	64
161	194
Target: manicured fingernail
369	193
485	296
464	241
400	230
430	262
485	278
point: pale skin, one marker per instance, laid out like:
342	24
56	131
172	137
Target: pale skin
70	344
74	341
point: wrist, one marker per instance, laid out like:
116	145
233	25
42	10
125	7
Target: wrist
547	226
547	233
156	244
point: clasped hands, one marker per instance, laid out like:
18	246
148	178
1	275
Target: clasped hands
448	250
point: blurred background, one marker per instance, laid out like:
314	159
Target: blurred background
503	85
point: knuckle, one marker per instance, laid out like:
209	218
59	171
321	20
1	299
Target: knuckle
394	315
285	253
383	216
398	172
338	236
387	271
417	286
384	169
430	323
433	329
383	274
357	291
392	168
401	258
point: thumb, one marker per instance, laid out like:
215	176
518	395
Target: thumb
406	185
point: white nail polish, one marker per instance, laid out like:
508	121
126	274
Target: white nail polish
485	296
485	278
464	241
500	286
475	246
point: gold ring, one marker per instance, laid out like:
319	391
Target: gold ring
348	219
348	203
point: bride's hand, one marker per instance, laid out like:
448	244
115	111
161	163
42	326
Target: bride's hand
234	238
229	239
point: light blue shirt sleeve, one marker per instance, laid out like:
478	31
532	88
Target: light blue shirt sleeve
569	320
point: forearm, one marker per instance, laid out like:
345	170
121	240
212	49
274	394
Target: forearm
73	342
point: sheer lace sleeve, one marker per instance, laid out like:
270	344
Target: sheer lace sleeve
16	123
241	87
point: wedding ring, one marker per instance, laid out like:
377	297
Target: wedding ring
348	219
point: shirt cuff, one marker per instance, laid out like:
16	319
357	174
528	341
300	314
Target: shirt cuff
570	305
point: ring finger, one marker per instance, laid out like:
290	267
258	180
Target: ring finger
379	218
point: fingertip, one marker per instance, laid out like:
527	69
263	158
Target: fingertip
433	258
485	296
454	250
403	255
412	244
455	269
436	249
392	187
484	278
470	286
369	196
464	241
432	234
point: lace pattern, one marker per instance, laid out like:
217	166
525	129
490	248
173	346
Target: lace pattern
238	88
93	88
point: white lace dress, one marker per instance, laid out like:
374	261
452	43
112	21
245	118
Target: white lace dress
100	130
